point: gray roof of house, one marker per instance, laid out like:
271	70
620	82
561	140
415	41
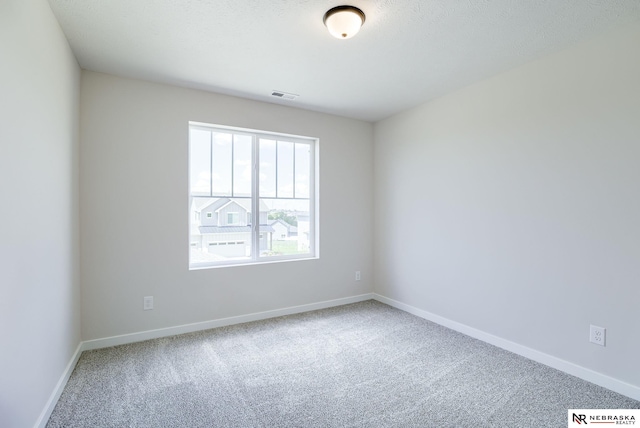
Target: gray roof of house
289	227
198	203
233	229
213	204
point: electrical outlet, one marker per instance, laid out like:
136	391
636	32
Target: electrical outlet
598	335
148	303
358	275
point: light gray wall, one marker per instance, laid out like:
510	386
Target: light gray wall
39	288
133	162
524	190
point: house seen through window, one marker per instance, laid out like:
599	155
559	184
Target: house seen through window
233	218
252	196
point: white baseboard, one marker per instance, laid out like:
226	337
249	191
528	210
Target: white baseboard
189	328
57	391
589	375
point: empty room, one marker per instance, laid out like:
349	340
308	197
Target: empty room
410	213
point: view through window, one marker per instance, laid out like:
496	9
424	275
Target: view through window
251	196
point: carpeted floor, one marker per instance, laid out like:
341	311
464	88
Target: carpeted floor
360	365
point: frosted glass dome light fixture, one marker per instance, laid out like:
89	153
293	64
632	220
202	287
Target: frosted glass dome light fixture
343	22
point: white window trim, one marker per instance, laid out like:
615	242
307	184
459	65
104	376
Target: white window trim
314	229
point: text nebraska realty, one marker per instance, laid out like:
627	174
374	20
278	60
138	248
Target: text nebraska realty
611	419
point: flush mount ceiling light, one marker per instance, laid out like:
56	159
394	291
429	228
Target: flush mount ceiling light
343	22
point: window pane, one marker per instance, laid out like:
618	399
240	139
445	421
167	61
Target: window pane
303	179
285	169
287	231
222	152
219	229
199	162
242	165
267	168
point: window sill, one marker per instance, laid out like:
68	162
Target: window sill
202	266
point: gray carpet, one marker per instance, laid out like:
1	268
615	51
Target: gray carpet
360	365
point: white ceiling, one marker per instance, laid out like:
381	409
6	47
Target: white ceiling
408	51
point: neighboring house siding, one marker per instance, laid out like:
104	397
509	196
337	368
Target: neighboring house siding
303	232
232	208
208	221
265	241
280	231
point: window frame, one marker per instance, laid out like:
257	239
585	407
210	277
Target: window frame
313	198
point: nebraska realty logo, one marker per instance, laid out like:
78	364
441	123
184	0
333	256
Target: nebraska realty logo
603	416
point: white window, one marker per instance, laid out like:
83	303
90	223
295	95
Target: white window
270	176
233	218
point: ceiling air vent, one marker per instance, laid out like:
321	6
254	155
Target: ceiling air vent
284	95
